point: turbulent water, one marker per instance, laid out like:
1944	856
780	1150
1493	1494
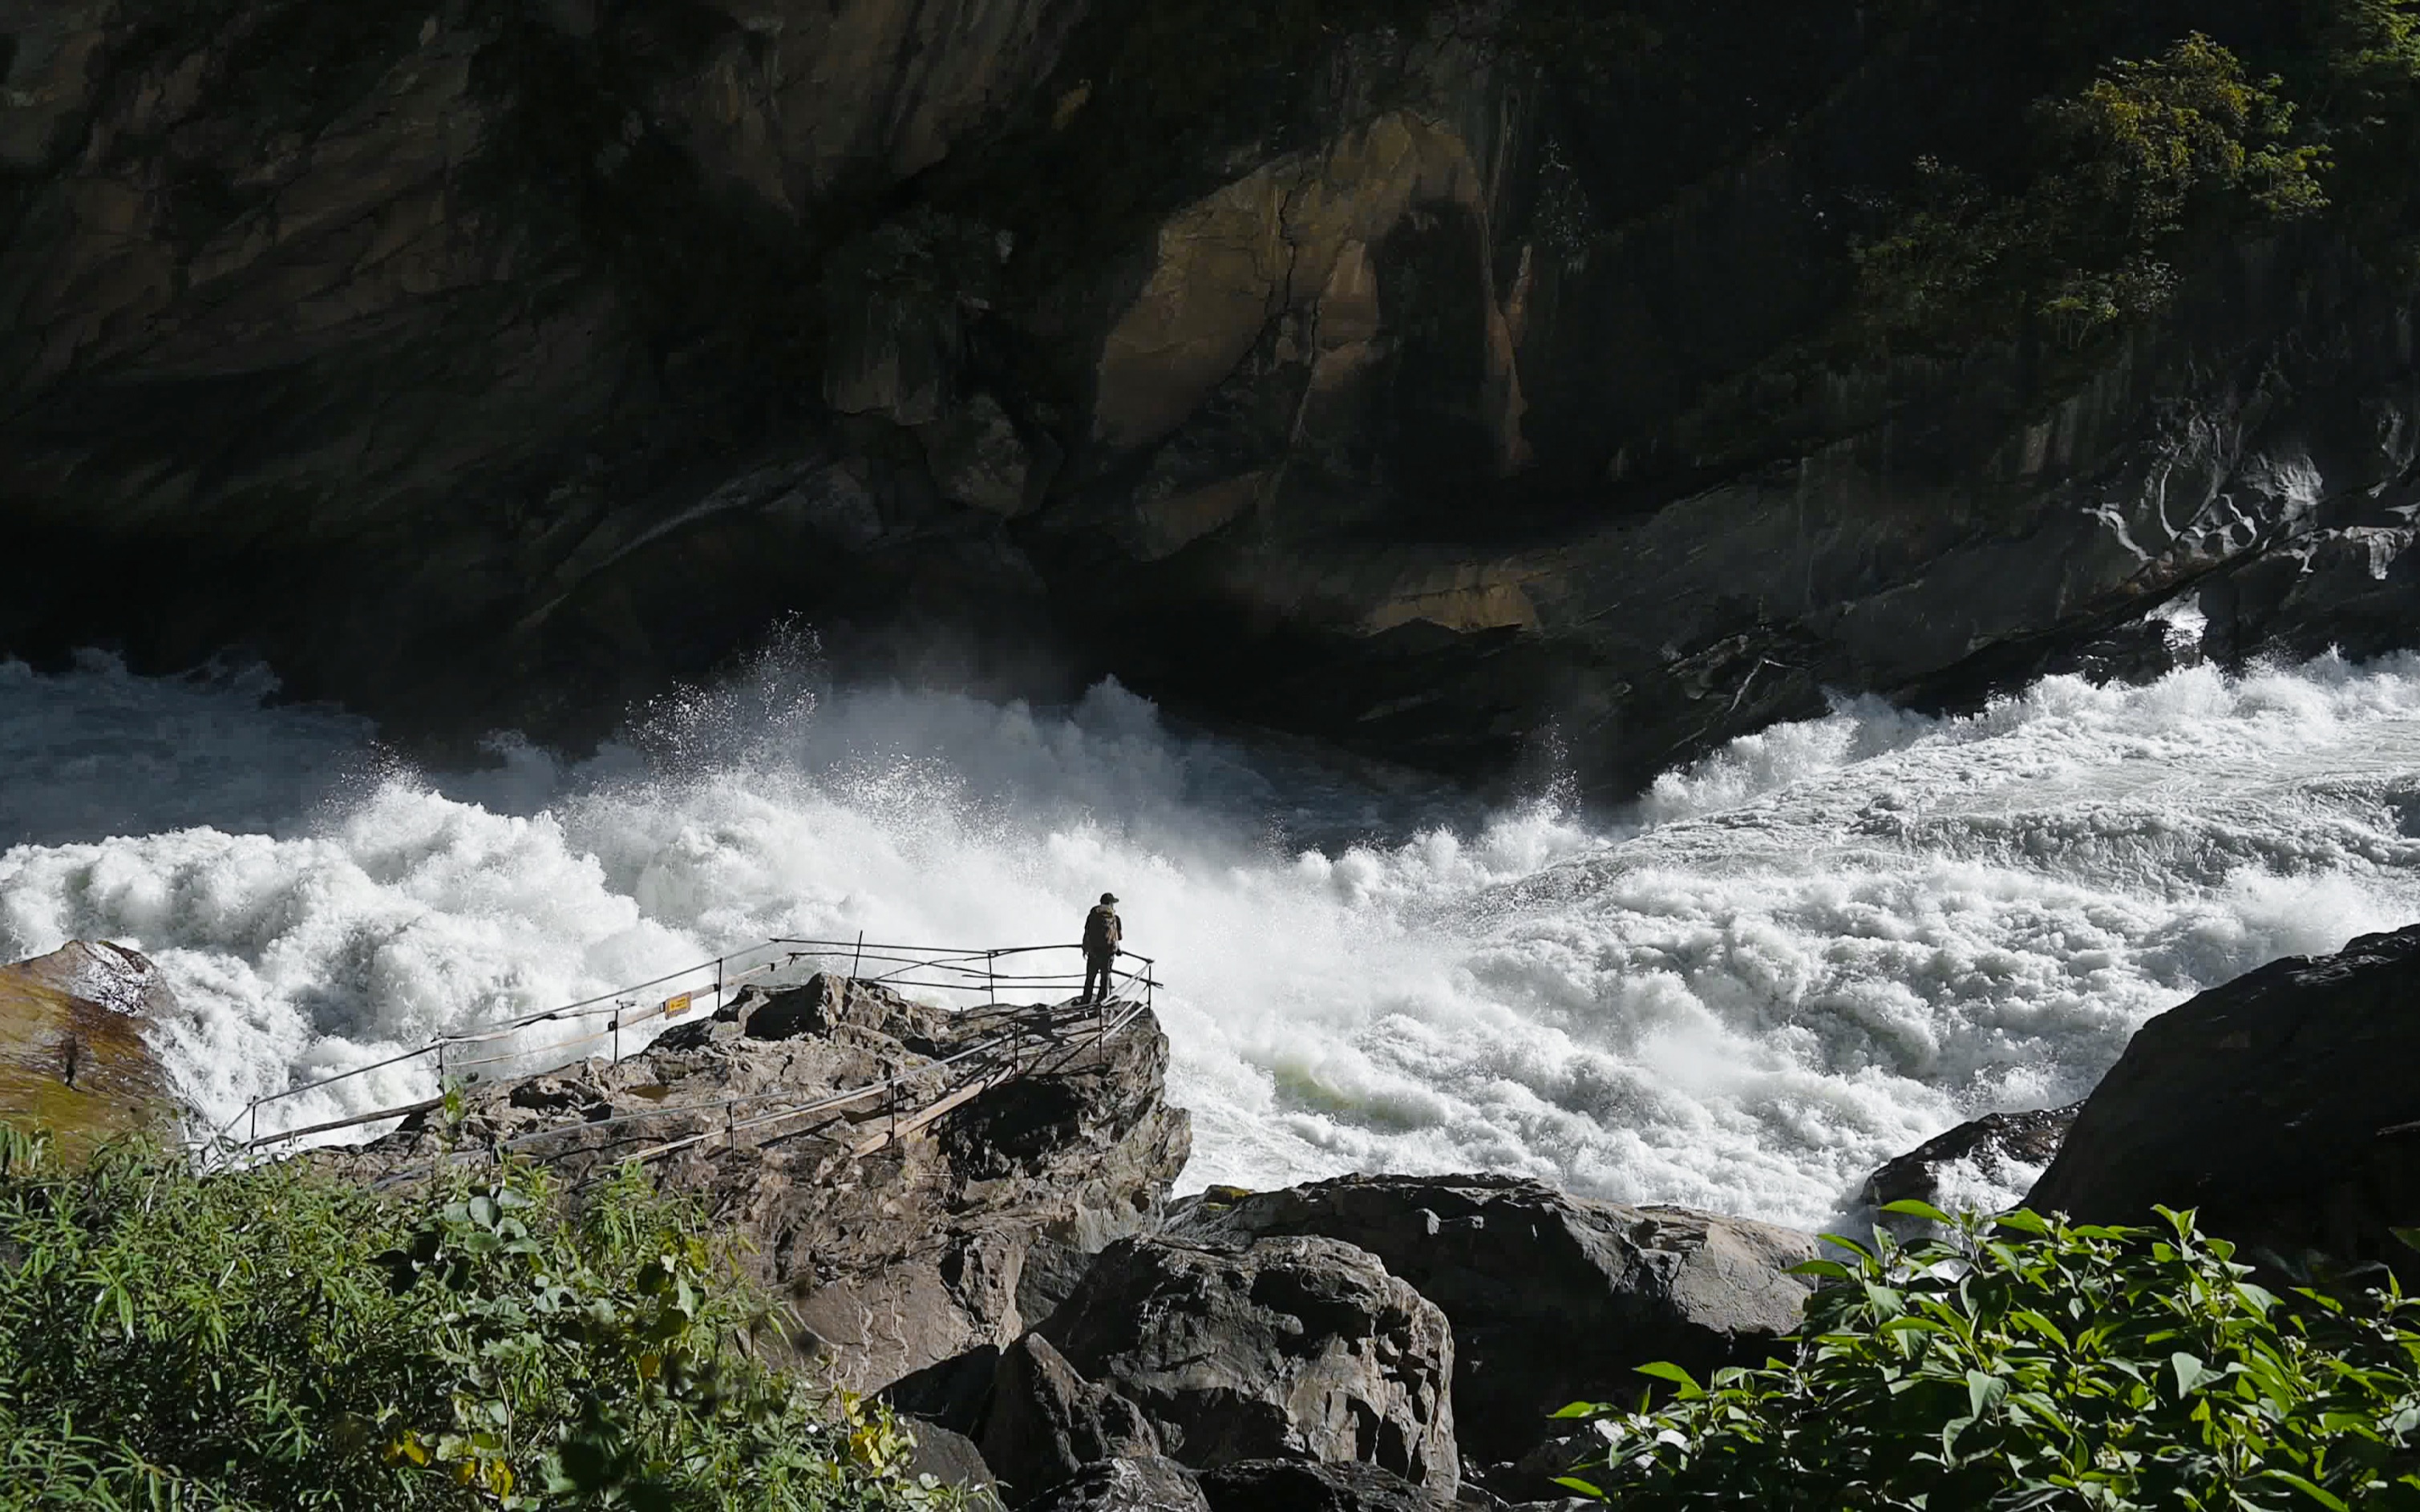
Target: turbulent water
1786	964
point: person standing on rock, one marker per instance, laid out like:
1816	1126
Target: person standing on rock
1102	933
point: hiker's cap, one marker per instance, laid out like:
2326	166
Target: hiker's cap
1109	897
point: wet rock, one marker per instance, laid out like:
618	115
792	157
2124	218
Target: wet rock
1046	1422
1145	1483
73	1054
2007	1150
1290	1348
895	1254
2281	1105
1293	1486
1552	1299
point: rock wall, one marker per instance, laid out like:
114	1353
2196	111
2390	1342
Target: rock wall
1337	366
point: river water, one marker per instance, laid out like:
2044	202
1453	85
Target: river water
1787	962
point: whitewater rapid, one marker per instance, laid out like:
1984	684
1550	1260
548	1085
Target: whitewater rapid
1786	964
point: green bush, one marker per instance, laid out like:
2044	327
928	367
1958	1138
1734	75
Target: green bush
280	1338
2021	1362
2124	169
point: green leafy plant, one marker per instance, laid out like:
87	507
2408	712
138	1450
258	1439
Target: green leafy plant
280	1338
2022	1362
2124	169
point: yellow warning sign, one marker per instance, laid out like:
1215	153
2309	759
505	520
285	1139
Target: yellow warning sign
677	1005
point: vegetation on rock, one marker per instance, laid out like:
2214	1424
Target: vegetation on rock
279	1338
2021	1362
2127	163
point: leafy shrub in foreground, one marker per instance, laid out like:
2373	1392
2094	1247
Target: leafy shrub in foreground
2021	1362
277	1338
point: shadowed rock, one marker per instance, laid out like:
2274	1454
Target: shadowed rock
1293	1485
2283	1105
1553	1299
2000	1146
1293	1347
498	365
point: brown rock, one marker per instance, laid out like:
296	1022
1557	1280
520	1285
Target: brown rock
72	1057
1142	1483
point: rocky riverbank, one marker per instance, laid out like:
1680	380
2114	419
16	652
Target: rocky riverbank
1013	1274
994	1250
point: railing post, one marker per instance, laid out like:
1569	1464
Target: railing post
991	979
857	963
256	1125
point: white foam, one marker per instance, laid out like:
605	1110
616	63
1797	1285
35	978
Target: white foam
1790	960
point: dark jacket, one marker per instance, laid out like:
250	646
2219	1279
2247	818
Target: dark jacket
1102	932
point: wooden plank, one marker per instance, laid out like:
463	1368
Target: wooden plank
285	1134
934	1110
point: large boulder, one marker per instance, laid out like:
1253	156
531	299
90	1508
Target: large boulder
72	1057
1553	1299
1293	1347
2282	1106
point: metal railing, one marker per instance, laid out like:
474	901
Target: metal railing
471	1056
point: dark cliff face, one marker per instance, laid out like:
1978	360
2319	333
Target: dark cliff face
1395	379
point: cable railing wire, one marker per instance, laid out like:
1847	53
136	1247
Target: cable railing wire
942	969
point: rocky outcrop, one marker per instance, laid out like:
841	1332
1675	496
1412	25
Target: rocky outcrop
1293	1347
2280	1105
72	1056
2006	1149
1344	371
1552	1299
895	1253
